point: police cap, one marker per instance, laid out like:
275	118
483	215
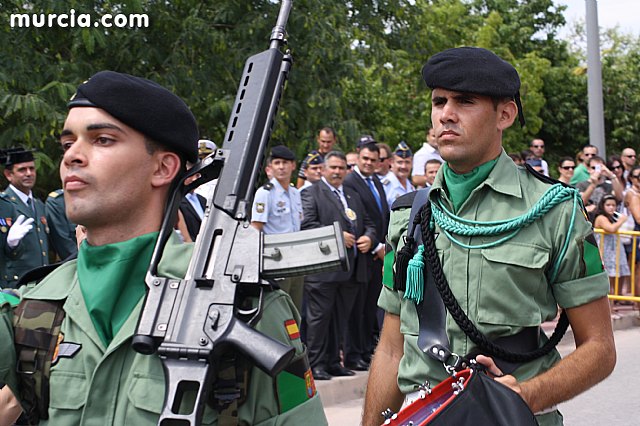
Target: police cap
12	156
314	158
365	140
403	150
281	151
144	106
473	70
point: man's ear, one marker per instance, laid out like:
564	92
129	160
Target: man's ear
7	173
507	113
167	168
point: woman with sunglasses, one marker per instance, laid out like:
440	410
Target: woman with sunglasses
615	165
566	168
632	203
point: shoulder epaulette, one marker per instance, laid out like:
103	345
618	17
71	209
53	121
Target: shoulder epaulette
56	193
404	201
292	185
38	274
268	186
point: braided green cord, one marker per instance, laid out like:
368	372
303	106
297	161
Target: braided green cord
452	224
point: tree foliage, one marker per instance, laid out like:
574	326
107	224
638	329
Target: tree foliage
356	67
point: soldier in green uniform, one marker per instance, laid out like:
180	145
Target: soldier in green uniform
504	281
125	141
27	242
62	231
7	213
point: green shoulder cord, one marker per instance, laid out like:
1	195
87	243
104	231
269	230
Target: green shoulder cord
452	224
37	328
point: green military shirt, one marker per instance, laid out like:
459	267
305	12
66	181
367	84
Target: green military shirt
502	288
115	385
7	213
62	230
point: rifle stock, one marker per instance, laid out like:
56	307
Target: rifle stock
190	322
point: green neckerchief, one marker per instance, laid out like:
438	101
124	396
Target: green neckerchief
460	186
112	280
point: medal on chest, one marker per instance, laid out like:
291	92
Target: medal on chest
350	214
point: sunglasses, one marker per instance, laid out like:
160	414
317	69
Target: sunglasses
537	146
635	176
589	155
567	167
350	166
616	167
383	158
629	156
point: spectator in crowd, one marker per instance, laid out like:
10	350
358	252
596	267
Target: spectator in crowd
313	171
536	146
565	169
517	158
601	182
206	148
352	161
582	173
330	296
615	261
27	241
325	141
364	326
628	158
428	151
277	209
614	164
383	170
535	164
398	182
192	208
526	155
62	232
431	168
632	203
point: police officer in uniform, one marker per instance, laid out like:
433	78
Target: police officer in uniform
505	282
313	172
277	209
27	238
62	231
126	140
398	182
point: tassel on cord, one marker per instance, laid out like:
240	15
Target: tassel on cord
402	263
415	277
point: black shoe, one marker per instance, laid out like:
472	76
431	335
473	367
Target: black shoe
320	374
366	358
338	370
358	365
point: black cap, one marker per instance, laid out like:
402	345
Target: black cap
144	106
474	70
18	155
314	158
365	140
403	150
281	151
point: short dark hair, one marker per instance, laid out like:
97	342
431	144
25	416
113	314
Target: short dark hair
596	159
563	159
371	147
328	129
433	161
387	148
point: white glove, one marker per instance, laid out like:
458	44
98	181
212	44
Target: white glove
18	230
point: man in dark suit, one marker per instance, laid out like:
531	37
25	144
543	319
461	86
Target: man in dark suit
363	324
330	296
192	208
27	239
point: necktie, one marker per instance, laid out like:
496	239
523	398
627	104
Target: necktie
30	205
375	193
195	202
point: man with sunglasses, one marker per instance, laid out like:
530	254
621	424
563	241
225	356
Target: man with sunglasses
628	160
581	172
601	182
536	147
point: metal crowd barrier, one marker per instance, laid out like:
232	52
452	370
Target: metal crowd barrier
633	297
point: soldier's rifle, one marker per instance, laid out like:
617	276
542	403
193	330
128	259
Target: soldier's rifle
189	322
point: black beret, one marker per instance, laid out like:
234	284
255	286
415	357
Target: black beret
473	70
18	155
314	158
281	151
403	150
144	106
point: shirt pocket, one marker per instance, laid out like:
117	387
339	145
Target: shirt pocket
146	396
67	396
512	282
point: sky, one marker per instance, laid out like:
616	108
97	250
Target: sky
625	13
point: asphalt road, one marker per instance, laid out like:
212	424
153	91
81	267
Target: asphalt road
615	401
